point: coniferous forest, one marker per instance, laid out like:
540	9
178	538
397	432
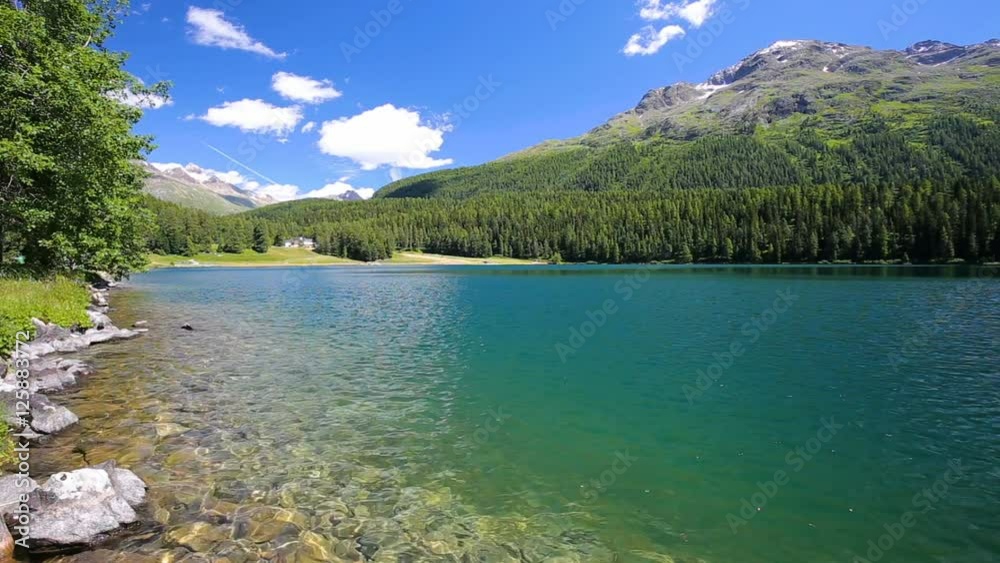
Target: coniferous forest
923	223
878	198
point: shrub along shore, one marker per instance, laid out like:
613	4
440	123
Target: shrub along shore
60	301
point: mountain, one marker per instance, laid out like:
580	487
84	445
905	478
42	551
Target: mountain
793	79
198	188
192	186
800	112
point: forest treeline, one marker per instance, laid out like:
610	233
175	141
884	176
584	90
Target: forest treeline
878	197
920	223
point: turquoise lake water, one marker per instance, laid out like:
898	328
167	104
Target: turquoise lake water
716	414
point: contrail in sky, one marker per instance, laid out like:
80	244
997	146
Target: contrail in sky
238	163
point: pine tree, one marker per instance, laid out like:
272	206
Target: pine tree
261	238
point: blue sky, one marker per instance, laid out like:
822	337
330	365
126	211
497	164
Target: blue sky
453	83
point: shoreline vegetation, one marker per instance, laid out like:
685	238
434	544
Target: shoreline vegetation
277	257
282	257
60	301
926	223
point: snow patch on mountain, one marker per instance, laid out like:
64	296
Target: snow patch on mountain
709	89
780	45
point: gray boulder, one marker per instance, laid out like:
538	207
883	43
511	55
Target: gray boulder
109	333
99	299
126	483
48	417
84	507
11	489
99	320
53	338
49	375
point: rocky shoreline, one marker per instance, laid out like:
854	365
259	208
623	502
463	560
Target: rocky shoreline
77	509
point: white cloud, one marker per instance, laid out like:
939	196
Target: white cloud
210	28
205	174
303	88
649	41
280	192
338	188
395	174
695	12
255	116
289	192
143	101
308	127
384	136
230	177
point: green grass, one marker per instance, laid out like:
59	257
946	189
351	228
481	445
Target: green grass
302	257
275	257
8	457
61	301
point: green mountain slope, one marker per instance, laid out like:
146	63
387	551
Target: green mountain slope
797	113
187	195
196	188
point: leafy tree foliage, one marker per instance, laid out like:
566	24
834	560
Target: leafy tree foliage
70	197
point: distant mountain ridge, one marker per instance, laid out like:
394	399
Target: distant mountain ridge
193	174
806	77
809	107
191	186
195	187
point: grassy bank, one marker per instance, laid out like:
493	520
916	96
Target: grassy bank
61	301
417	258
249	259
303	257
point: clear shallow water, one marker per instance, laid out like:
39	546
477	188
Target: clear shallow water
429	411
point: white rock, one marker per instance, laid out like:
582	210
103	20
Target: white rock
78	507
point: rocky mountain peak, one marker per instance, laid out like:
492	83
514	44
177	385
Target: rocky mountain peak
804	77
934	52
782	54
